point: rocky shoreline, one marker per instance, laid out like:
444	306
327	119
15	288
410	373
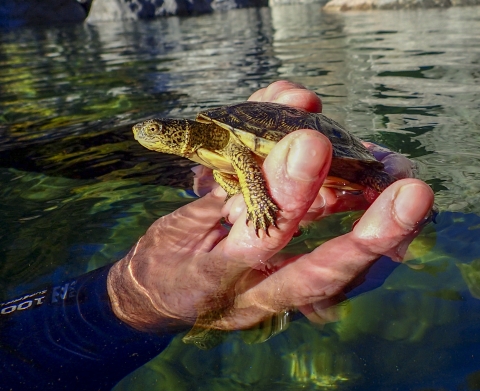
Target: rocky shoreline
103	10
14	13
366	5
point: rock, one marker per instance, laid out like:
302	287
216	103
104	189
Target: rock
14	13
361	5
102	10
273	3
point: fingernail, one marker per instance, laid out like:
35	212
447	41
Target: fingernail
407	211
307	156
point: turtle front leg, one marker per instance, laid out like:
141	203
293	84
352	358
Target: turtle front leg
261	210
228	182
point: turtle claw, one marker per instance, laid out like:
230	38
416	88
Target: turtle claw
263	216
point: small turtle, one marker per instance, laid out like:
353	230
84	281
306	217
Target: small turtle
234	140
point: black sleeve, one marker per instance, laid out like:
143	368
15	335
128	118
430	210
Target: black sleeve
67	337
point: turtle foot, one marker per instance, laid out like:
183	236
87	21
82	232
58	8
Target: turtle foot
263	215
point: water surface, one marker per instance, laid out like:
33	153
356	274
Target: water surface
77	190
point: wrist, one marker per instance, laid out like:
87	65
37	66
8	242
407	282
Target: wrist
131	302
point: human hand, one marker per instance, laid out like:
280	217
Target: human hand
187	263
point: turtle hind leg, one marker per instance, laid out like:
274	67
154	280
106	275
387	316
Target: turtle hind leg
377	180
261	209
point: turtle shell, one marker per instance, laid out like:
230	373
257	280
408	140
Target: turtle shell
260	125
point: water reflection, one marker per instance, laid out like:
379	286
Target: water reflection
77	190
424	93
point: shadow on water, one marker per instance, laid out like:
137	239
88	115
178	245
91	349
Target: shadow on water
77	190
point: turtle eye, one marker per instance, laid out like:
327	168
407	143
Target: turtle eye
153	128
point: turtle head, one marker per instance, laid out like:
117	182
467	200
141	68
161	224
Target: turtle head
164	135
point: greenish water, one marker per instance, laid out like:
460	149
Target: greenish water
77	190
